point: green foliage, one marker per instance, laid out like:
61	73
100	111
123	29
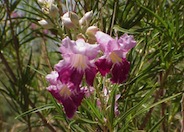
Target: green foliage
151	99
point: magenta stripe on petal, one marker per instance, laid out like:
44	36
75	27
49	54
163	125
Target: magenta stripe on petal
76	76
53	89
72	103
77	97
90	75
103	66
120	71
69	107
64	75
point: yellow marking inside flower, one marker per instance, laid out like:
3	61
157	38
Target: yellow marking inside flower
65	91
115	58
79	61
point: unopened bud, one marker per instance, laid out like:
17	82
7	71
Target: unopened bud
86	18
91	31
41	2
74	18
45	24
67	21
70	20
53	11
88	15
81	36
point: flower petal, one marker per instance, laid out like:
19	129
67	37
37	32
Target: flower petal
70	100
67	47
60	65
104	66
72	103
64	75
69	107
89	50
126	42
120	71
112	45
76	76
64	70
52	77
103	39
120	53
54	90
90	75
77	97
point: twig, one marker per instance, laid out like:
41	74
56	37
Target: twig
7	66
45	54
42	117
148	115
113	17
14	36
59	5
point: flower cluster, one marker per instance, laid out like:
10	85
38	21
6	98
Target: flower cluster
81	62
114	59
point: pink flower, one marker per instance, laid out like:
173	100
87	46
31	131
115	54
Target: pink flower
78	60
126	42
114	59
68	95
52	78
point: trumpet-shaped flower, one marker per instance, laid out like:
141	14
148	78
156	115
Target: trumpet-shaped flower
67	94
114	58
78	60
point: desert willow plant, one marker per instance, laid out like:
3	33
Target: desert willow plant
108	65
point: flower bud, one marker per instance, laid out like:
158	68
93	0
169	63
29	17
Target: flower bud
53	11
70	20
86	18
90	32
88	15
45	24
45	2
67	21
81	36
41	2
74	18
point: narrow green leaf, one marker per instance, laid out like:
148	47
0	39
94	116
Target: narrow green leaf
123	30
41	73
82	120
145	109
78	128
41	108
157	103
112	103
95	111
3	91
157	124
134	108
155	15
